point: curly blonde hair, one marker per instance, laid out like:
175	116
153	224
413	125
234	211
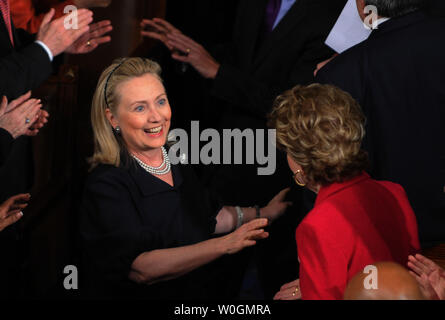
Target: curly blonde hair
321	127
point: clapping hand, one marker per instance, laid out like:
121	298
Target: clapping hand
183	48
22	116
56	36
429	275
91	39
11	210
158	29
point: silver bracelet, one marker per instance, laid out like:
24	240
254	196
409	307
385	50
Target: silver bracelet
240	214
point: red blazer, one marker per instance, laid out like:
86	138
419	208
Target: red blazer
24	16
353	224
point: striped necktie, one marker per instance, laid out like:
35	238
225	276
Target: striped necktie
4	7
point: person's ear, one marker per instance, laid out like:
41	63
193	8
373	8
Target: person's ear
111	118
361	4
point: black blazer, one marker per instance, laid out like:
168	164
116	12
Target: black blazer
22	67
257	68
397	76
126	211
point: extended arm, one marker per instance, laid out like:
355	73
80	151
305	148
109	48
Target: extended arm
166	264
227	218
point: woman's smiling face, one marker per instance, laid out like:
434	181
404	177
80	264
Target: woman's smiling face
143	113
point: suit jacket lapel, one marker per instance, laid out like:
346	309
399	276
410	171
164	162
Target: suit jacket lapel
285	26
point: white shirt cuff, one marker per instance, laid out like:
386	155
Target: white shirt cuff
48	51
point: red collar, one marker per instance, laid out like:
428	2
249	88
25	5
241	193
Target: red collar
330	189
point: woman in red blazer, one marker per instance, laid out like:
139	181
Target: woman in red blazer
356	221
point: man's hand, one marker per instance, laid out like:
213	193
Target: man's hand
183	48
92	3
92	39
158	29
11	210
323	63
24	114
56	37
429	275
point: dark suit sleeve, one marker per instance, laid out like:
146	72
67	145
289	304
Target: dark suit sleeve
255	96
25	37
347	72
24	70
196	196
111	229
6	141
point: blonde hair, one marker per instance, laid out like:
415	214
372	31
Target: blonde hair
108	146
321	127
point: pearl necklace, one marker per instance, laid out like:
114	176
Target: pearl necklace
156	170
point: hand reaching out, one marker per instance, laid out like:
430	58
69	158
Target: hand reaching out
11	210
195	54
323	63
277	206
429	275
158	29
245	236
289	291
183	48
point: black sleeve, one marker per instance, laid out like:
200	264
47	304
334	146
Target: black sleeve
244	90
111	228
25	37
198	198
6	141
215	204
347	72
24	70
